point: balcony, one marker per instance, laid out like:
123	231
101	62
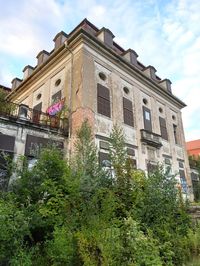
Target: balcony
151	138
30	117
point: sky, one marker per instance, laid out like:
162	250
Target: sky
164	33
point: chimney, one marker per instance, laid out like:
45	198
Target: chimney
150	71
106	36
15	83
28	70
131	56
166	83
42	57
59	39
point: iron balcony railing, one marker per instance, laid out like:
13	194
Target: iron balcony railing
22	112
151	138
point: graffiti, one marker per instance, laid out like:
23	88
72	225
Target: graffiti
55	108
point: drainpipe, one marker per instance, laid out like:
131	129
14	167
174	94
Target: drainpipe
70	98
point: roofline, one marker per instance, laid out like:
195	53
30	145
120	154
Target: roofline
79	31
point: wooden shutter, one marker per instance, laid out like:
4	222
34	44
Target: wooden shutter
103	100
163	128
128	112
147	119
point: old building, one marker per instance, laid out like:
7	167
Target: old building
97	79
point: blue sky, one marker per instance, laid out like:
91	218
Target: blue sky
165	34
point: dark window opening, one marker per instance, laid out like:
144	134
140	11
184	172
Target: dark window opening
104	159
128	112
56	97
36	113
5	159
175	133
183	180
103	100
102	76
151	168
163	128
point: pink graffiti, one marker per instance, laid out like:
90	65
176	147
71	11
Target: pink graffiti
55	108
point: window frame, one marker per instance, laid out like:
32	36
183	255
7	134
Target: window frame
103	100
128	112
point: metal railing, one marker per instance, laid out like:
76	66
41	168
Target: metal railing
34	117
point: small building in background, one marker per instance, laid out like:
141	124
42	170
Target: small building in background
193	150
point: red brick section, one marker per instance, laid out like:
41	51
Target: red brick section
78	118
193	147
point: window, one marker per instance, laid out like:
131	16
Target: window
36	113
56	97
175	133
128	112
103	100
104	159
57	83
147	119
151	168
126	90
163	128
102	76
5	158
183	180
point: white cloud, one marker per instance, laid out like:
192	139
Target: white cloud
163	33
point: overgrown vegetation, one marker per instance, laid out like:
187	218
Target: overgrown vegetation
75	213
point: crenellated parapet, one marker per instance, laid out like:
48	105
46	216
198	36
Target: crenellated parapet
106	38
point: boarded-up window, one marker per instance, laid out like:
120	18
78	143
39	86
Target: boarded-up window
163	128
56	97
128	112
36	113
103	100
147	119
7	143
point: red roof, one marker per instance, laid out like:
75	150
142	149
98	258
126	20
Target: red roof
193	147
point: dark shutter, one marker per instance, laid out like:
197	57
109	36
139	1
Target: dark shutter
163	128
7	143
147	119
56	97
128	112
103	100
34	145
36	113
